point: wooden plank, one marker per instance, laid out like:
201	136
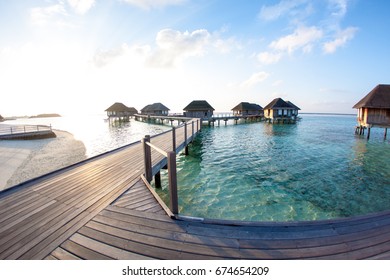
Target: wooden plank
167	234
23	214
62	233
170	244
105	249
27	236
50	258
83	252
140	248
62	254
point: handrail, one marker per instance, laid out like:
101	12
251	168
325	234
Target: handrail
172	175
171	161
161	151
20	129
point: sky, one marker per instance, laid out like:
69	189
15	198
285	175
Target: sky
81	56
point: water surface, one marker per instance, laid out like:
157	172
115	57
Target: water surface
315	169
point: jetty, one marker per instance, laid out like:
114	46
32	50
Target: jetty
26	132
104	208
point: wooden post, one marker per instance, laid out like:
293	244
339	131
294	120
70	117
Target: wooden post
385	133
174	139
192	129
185	134
368	133
185	140
147	158
172	178
157	180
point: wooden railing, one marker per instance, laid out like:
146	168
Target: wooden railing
19	129
171	160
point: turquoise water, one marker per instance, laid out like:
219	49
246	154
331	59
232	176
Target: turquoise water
315	169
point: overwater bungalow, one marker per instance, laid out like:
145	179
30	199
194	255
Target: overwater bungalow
374	110
199	109
120	111
279	110
155	109
248	109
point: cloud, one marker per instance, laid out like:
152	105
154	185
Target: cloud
281	9
105	57
173	46
81	6
339	7
255	79
302	38
340	40
59	14
269	57
152	4
324	32
41	16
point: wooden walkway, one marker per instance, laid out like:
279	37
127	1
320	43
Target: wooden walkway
136	227
36	217
100	209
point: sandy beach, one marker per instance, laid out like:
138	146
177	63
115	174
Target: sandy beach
21	160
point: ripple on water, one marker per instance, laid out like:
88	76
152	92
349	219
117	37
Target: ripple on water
315	169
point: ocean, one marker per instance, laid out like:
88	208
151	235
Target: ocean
96	132
312	170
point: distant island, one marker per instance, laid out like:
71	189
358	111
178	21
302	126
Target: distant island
45	116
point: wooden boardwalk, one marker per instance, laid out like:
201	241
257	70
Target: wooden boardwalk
136	227
36	217
100	209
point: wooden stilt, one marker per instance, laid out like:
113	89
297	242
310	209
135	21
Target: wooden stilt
172	183
186	150
157	180
368	133
385	133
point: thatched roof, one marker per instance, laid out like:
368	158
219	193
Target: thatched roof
246	106
120	107
293	105
155	107
1	118
198	105
278	103
379	97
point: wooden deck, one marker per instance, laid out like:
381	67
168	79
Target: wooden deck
100	209
136	227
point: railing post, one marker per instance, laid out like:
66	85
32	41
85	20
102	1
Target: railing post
185	134
192	129
172	177
174	139
11	130
147	158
